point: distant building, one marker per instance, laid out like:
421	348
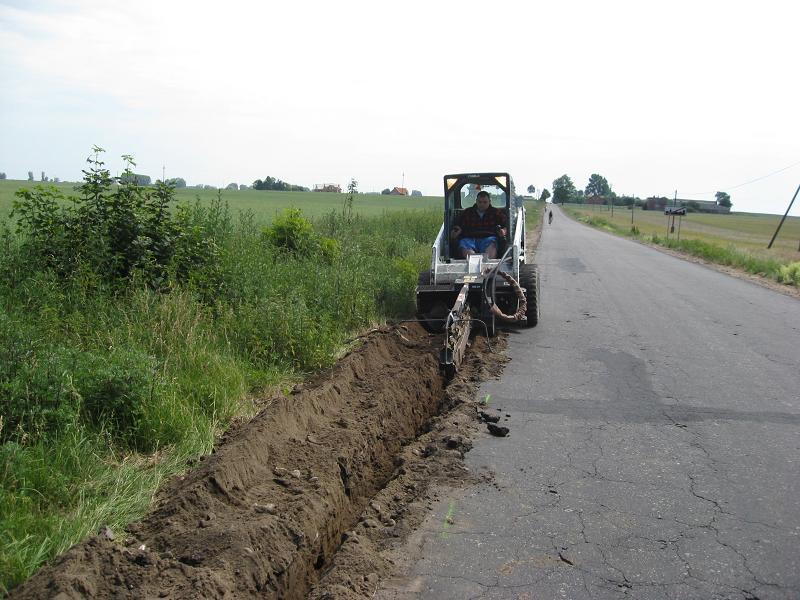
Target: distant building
595	199
399	191
328	187
706	206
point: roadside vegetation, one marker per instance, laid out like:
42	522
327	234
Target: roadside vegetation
134	328
737	240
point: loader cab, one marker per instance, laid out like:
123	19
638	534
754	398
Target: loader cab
460	193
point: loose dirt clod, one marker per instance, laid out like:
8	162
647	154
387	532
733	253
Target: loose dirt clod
306	498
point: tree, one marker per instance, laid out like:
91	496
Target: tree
30	175
232	186
2	175
386	191
544	195
531	189
563	189
178	182
723	199
598	186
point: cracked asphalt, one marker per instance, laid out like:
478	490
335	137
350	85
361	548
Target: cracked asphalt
655	441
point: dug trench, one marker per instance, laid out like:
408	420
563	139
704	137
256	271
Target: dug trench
309	498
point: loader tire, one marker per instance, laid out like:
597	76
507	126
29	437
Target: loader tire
529	279
430	313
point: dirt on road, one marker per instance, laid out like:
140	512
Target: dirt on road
310	497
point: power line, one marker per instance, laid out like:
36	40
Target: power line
733	187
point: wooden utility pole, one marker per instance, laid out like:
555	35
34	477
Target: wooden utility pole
783	219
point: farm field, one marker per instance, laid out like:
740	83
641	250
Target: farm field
748	232
264	204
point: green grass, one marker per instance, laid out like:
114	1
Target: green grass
107	390
265	204
738	240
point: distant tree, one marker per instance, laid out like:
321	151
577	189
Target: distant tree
44	177
178	182
416	193
544	195
244	187
563	190
56	180
386	192
274	184
598	186
232	186
531	190
723	199
352	187
139	179
2	175
30	175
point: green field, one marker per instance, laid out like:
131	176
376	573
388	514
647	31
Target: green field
264	204
749	232
737	240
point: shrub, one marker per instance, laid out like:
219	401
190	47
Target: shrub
116	232
790	274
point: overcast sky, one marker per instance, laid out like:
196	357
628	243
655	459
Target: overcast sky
691	96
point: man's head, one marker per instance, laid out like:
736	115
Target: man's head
483	200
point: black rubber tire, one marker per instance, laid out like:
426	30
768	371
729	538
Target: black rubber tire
423	311
529	279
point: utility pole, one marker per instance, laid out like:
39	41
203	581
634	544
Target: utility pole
783	219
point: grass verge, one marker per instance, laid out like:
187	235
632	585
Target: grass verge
783	272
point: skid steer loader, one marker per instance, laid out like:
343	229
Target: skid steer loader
456	292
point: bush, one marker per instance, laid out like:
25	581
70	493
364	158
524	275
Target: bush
115	232
790	274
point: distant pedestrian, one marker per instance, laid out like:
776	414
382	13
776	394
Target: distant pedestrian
550	217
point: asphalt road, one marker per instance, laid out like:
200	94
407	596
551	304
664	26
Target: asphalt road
655	440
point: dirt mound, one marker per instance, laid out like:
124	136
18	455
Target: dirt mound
305	499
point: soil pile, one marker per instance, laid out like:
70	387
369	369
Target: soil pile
309	497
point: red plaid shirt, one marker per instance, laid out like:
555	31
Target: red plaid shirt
473	226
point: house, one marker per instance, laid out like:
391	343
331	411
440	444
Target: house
328	187
399	191
594	199
707	206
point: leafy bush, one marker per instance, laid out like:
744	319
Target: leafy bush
116	229
790	274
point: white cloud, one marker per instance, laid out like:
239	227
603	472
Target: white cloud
686	95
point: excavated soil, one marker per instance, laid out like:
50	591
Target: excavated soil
310	497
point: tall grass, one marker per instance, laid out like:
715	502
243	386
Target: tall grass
109	387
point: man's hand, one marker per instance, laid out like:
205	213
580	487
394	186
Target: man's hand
455	232
502	231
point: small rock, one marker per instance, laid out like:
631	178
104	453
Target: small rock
453	441
142	547
280	471
484	416
390	522
350	536
265	508
296	473
497	430
106	532
370	523
375	506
